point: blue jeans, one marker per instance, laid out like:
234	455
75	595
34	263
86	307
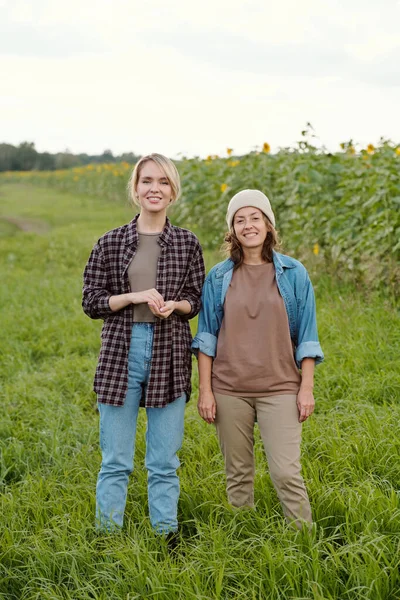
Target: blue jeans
117	440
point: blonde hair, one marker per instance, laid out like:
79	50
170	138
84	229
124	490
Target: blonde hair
166	165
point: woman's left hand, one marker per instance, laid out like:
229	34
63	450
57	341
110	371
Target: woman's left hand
165	311
305	403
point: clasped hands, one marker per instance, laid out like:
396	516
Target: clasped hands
155	302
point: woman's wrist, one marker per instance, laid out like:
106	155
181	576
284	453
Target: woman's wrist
120	301
182	307
306	386
205	390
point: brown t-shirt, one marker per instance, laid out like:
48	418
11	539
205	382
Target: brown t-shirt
254	351
142	273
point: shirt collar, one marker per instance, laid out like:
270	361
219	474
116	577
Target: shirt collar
131	236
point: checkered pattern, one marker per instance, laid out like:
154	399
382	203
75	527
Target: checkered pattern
180	276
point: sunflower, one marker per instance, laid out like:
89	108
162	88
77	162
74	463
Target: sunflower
266	148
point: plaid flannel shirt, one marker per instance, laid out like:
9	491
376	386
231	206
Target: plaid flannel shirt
180	276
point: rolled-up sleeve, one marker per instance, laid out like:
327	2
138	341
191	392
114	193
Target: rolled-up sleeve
206	337
193	285
206	343
308	345
309	350
95	295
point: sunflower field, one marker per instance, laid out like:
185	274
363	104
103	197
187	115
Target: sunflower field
340	212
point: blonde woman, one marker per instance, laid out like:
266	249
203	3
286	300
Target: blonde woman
144	280
257	344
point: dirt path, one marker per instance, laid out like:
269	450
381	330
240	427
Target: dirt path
28	225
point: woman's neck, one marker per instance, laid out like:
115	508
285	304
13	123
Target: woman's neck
252	256
151	222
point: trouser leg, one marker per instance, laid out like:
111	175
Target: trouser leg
117	442
118	432
235	426
280	430
163	440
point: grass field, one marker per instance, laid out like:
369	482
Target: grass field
50	456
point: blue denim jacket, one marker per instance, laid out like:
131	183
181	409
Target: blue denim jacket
298	295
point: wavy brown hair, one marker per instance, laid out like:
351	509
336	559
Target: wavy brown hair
233	249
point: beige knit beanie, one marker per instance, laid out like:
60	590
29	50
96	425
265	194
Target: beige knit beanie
249	198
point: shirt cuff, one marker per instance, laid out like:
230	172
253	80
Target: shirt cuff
103	306
206	343
309	350
189	315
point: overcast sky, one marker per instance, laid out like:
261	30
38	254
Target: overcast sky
194	77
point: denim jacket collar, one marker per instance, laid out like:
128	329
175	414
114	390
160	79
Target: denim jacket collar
281	262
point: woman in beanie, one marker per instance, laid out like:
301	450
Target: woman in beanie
144	280
257	345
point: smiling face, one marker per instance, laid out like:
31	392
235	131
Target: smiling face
250	228
153	190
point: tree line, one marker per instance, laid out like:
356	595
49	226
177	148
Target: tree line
25	157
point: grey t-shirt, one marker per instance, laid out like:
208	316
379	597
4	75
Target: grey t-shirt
142	273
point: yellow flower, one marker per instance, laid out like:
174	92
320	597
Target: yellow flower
370	148
266	148
351	150
316	249
342	145
233	163
397	151
229	151
224	187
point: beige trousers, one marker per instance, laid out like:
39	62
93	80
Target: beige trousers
277	418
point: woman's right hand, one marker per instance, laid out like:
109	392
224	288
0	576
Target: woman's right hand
147	296
207	406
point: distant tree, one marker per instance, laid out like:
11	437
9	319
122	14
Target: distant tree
66	160
128	157
107	156
84	159
8	157
45	162
26	156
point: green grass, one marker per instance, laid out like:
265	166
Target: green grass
50	456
